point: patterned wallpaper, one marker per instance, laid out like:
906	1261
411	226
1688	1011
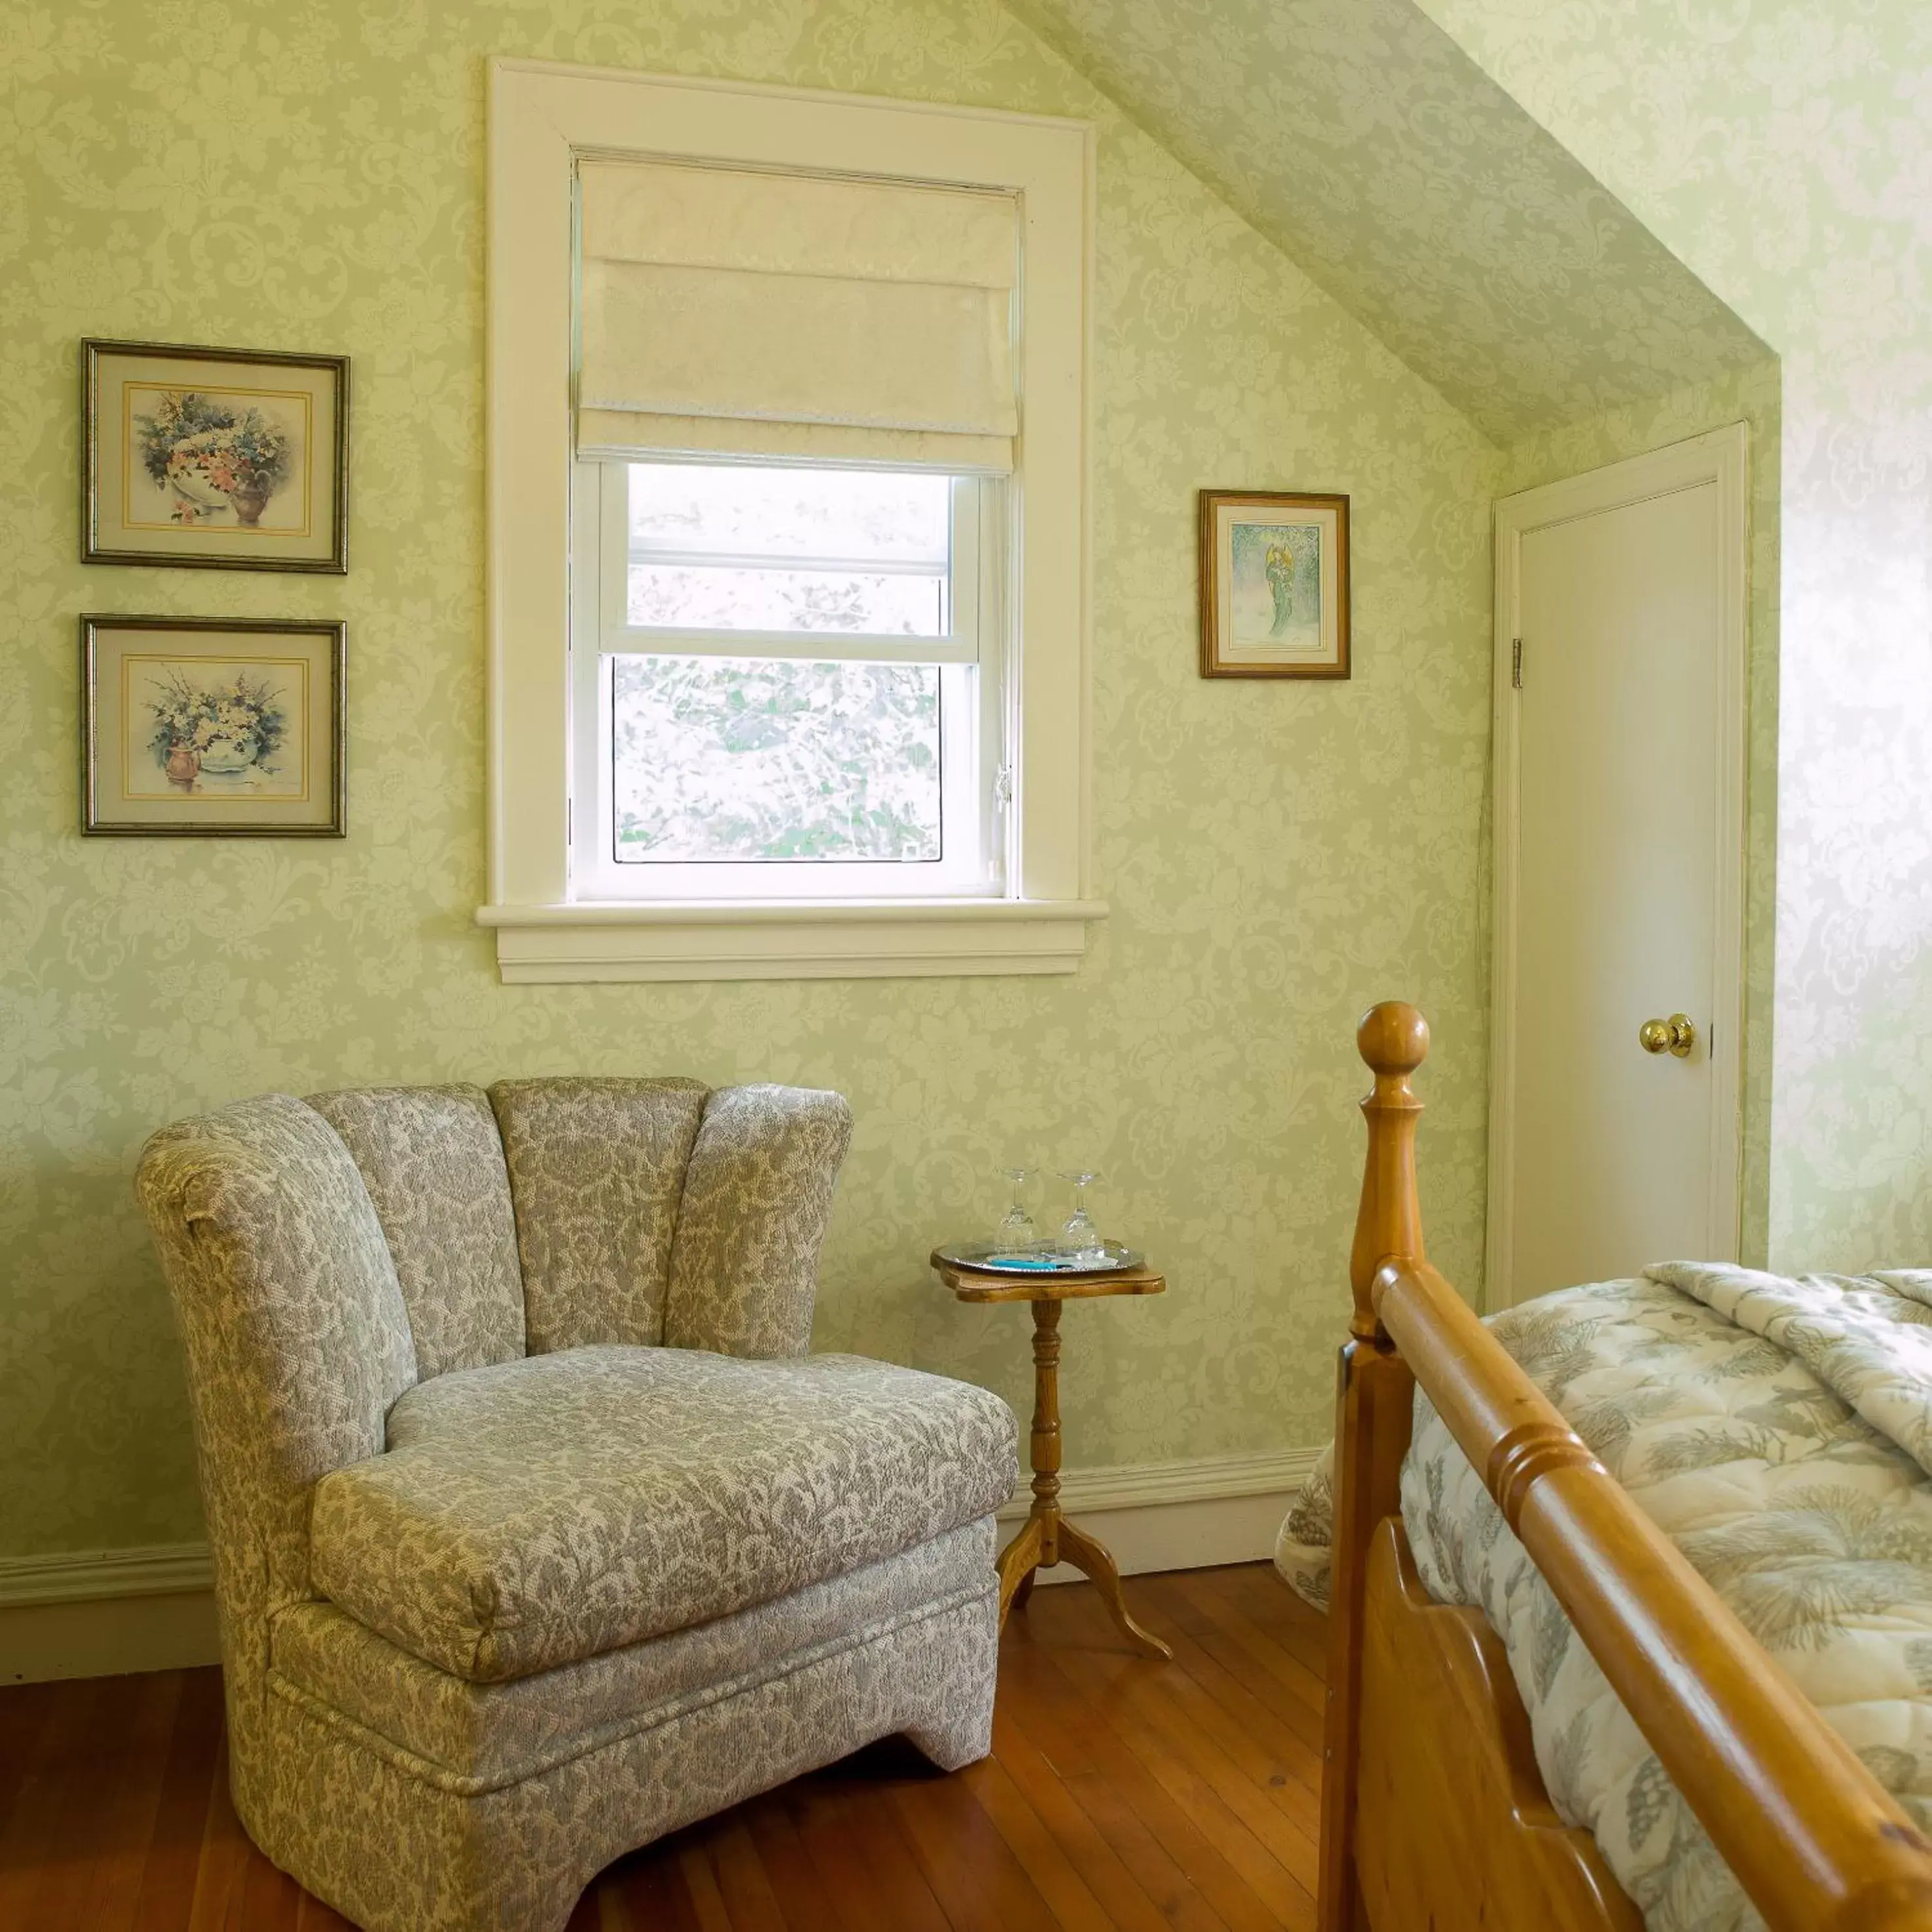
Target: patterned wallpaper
1358	135
236	171
1784	151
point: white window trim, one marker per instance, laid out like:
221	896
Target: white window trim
542	116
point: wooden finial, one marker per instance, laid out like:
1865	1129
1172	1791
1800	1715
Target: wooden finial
1393	1039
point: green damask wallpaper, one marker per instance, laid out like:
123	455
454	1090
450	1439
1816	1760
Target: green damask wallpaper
1359	137
234	171
1782	150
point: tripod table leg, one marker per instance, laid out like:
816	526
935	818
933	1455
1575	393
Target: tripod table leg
1085	1553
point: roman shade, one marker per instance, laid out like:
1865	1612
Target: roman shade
728	312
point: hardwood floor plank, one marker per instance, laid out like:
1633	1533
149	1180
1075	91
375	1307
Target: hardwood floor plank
701	1882
979	1884
1253	1888
1222	1700
1154	1839
49	1851
1121	1792
173	1855
1279	1811
1055	1876
1259	1632
1228	1705
221	1872
1273	1676
28	1710
271	1900
864	1861
1298	1627
803	1898
644	1892
749	1899
1128	1905
128	1804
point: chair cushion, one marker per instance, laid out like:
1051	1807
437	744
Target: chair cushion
468	1738
535	1513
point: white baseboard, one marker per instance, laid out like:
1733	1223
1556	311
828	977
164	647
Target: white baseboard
102	1613
1178	1516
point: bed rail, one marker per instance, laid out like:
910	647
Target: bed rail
1812	1837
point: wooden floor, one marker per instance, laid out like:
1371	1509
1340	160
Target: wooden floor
1120	1792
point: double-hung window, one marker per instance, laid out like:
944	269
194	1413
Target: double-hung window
787	532
787	683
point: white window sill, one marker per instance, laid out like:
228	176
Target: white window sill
855	939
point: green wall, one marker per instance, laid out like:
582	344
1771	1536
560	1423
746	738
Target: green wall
231	171
1782	149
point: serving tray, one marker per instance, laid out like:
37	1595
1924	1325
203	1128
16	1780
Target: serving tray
989	1257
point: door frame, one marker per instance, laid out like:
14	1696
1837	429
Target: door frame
1722	456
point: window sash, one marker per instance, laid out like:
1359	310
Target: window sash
962	644
973	816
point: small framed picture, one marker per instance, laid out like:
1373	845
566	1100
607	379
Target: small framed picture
212	727
217	458
1274	584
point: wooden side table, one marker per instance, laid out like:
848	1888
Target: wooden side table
1046	1538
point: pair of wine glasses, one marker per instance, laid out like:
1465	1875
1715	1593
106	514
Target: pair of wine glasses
1078	1236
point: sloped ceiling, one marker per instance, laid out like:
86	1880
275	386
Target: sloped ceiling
1359	138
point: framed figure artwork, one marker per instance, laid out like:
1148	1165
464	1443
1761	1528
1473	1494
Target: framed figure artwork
1274	584
213	727
214	458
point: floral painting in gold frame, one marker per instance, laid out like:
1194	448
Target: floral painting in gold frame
221	458
1274	584
212	727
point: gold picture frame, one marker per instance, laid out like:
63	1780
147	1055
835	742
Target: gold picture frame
214	459
214	728
1274	584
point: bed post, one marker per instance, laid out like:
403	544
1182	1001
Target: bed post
1374	1392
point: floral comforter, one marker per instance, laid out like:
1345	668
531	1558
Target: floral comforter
1779	1430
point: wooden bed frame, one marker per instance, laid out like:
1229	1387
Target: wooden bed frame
1433	1816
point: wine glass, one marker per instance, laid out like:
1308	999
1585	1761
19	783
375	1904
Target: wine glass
1016	1231
1079	1235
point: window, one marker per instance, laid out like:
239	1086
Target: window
789	684
786	532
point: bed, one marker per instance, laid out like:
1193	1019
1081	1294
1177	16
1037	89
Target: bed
1716	1787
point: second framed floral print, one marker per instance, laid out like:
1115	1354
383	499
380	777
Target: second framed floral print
221	458
207	726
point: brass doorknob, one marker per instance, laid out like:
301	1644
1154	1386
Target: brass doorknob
1676	1035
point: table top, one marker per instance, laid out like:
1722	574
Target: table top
971	1284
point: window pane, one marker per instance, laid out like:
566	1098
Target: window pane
717	759
854	515
709	598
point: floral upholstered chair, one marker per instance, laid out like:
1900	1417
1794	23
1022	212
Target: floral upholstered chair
537	1532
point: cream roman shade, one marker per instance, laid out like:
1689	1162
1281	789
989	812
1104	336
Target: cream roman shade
735	312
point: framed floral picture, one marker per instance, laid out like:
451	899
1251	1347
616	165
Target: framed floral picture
212	727
1274	584
219	458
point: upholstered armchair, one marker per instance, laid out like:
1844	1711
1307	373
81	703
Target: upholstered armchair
537	1533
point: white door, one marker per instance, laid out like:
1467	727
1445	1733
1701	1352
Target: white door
1619	832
